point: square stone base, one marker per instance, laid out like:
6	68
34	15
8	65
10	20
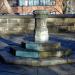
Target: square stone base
42	46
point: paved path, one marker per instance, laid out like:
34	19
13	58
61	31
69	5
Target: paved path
7	41
6	69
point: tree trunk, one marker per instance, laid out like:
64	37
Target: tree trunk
5	7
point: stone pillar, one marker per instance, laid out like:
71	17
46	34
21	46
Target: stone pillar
41	30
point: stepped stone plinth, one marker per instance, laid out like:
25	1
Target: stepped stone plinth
42	47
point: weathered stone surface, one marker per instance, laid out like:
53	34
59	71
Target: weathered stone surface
27	54
42	46
9	25
41	30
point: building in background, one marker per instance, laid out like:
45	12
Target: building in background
70	6
24	7
53	6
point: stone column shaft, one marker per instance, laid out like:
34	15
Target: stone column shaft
41	30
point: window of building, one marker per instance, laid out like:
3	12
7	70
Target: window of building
26	2
36	2
21	2
42	2
31	2
50	2
13	2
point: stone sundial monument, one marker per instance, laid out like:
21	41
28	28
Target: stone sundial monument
41	51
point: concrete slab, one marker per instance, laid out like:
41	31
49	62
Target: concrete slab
64	69
7	69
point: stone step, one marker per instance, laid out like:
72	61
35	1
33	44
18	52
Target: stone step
42	46
33	62
32	53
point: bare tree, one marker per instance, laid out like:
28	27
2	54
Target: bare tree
64	6
5	7
68	6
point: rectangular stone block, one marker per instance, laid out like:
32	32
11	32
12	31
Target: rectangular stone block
42	46
32	45
27	54
53	61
